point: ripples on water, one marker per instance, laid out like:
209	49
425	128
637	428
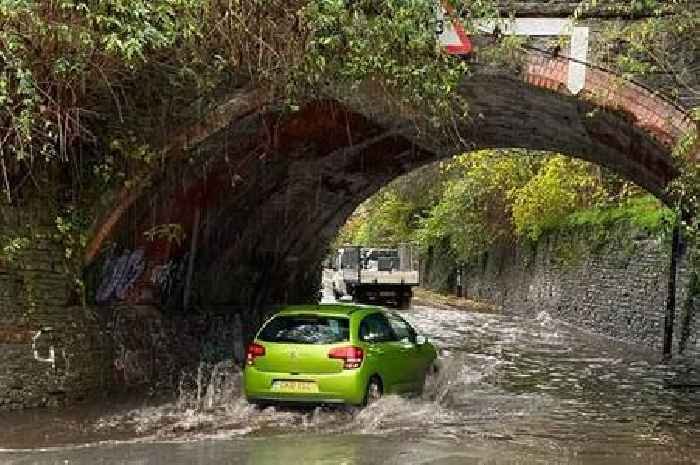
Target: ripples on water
534	383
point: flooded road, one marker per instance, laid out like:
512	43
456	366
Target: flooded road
512	390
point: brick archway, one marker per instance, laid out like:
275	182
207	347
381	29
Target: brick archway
271	190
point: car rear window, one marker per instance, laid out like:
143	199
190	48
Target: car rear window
306	329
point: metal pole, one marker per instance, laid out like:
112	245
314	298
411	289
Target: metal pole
459	280
671	295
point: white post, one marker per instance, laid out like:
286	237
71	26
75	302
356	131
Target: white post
579	51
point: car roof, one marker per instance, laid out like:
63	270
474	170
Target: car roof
327	309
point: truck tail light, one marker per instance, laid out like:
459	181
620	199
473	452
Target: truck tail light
352	356
254	350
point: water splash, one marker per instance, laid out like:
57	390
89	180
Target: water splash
210	403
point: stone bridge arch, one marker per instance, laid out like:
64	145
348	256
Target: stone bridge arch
267	191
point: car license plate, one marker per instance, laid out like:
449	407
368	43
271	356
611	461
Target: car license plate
295	386
387	293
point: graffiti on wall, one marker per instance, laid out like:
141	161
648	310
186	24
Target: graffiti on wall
52	352
169	278
133	277
119	275
47	333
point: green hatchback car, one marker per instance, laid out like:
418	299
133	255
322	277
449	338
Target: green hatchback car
335	354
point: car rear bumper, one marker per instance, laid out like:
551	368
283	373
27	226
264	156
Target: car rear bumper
346	387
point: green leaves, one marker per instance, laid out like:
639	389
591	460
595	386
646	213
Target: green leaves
54	54
558	189
171	232
474	210
11	248
390	44
481	198
641	212
660	47
75	71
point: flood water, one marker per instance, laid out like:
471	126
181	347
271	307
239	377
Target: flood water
512	390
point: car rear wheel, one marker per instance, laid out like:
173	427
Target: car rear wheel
374	390
258	405
431	377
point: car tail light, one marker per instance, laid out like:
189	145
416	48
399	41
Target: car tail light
351	356
254	350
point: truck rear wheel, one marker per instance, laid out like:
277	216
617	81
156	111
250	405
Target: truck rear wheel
404	302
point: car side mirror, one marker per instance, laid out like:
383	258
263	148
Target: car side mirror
420	340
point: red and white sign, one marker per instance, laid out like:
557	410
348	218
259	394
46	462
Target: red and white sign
451	33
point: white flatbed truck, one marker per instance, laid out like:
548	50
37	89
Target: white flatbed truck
375	275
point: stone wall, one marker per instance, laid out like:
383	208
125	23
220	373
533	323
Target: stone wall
53	352
617	288
50	352
156	350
